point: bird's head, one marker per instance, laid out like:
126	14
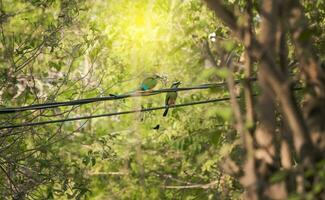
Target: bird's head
156	76
162	78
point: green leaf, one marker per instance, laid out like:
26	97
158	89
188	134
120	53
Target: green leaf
86	160
55	65
278	176
223	72
93	161
305	35
318	187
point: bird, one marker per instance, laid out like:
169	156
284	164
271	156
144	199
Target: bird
171	97
149	82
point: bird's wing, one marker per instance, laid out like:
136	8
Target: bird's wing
172	98
167	99
144	86
152	82
171	101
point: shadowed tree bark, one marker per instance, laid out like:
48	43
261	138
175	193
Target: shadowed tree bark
301	136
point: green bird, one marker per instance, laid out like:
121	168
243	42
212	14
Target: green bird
171	97
149	82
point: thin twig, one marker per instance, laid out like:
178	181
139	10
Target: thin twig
202	186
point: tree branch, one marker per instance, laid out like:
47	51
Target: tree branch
202	186
277	81
223	13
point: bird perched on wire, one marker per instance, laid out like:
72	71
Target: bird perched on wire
150	82
171	97
147	84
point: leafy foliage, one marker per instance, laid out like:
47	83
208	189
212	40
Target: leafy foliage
61	50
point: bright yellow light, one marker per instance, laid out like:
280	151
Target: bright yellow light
140	31
143	27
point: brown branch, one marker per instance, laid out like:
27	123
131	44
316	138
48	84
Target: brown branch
304	51
233	100
285	148
276	80
265	132
223	13
107	173
248	92
202	186
207	54
12	183
282	46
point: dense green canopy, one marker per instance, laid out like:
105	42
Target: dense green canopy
63	50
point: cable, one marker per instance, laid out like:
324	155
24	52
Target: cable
123	112
112	114
110	97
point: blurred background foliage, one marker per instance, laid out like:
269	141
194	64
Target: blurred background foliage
60	50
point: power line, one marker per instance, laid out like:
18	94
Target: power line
111	114
123	112
110	97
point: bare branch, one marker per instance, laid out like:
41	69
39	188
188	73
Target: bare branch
203	186
304	51
223	13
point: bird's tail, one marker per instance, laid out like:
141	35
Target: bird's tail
133	91
166	111
129	92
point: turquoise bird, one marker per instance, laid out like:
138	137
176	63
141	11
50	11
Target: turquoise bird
149	82
171	97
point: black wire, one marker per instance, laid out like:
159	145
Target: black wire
124	112
110	97
112	114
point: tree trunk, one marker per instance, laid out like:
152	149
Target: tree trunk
268	170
